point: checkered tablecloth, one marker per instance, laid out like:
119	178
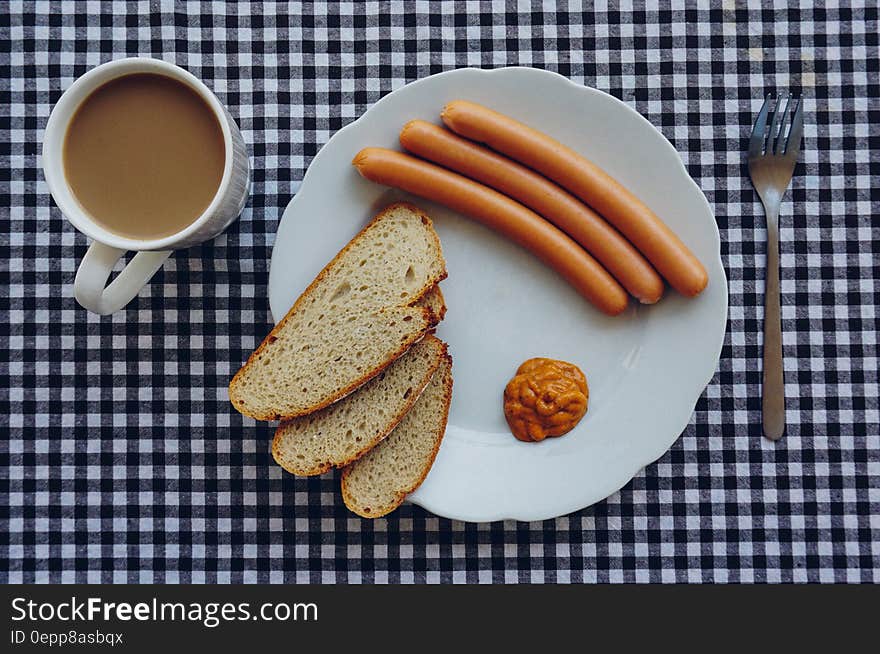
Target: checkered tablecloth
121	459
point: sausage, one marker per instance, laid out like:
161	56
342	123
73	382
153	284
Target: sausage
499	212
586	180
572	216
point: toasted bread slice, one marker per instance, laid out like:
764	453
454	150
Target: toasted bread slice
344	431
378	482
306	363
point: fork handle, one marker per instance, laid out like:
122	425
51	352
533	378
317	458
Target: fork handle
773	387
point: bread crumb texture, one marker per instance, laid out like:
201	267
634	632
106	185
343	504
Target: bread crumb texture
377	483
351	322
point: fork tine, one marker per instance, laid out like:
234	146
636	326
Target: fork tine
774	126
756	143
783	127
796	134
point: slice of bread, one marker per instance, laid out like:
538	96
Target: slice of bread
344	431
378	482
290	377
434	301
305	363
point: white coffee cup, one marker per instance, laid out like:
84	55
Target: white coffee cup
108	248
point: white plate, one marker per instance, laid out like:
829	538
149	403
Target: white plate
645	369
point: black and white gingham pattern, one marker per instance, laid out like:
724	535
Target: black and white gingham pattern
122	461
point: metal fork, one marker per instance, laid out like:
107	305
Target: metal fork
773	154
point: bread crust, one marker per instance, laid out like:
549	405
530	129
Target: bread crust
395	420
400	496
436	316
441	316
428	315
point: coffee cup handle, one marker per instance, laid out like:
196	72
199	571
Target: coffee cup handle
95	268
